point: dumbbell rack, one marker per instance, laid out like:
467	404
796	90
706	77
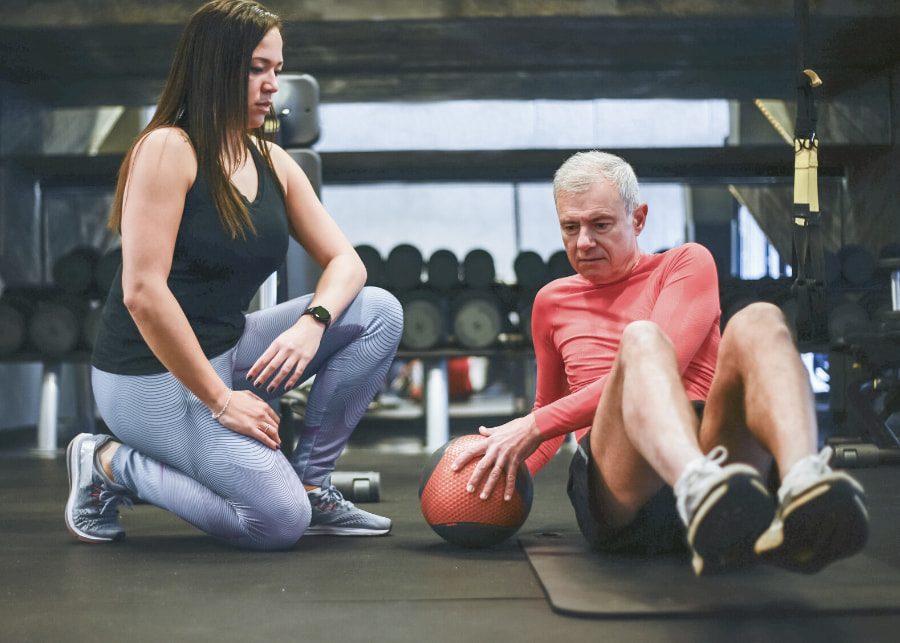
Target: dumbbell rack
876	353
48	409
436	392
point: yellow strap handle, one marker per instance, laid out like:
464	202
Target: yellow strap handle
806	173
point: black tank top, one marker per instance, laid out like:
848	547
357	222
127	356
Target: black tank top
213	277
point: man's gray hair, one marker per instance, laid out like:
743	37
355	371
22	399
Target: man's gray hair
582	170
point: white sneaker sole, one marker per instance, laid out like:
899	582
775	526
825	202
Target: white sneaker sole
325	530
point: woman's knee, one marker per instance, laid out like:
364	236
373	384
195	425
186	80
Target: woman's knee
280	536
269	533
382	311
279	521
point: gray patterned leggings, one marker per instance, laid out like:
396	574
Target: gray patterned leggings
175	456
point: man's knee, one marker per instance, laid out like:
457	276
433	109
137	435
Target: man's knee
644	338
757	323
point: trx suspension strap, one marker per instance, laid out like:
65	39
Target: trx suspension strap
808	257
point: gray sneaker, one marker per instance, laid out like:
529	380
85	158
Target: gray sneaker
821	517
92	513
724	509
332	515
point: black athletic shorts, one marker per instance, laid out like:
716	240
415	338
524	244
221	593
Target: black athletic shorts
656	529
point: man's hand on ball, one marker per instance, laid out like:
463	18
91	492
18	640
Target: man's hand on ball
505	448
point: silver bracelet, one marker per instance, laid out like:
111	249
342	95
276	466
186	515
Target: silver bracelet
216	416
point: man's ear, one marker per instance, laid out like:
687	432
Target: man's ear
640	217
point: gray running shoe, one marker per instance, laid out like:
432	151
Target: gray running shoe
92	513
821	518
725	509
335	516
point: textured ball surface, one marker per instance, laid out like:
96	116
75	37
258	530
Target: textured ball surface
464	518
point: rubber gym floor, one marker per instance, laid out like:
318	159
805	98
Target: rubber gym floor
169	582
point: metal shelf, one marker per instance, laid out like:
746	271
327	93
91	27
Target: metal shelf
740	164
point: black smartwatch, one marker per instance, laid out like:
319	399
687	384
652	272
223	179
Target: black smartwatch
320	314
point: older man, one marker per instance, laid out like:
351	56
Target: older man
628	350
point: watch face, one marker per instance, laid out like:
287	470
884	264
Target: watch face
320	313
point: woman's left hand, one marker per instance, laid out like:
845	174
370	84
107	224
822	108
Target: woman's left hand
288	356
506	446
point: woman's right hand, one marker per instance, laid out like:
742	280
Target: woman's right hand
249	415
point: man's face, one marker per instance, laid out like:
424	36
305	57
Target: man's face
598	234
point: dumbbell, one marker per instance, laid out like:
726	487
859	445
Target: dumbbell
846	316
443	270
54	326
558	265
374	264
525	320
855	455
13	325
857	265
358	486
478	269
73	272
106	268
531	271
424	319
403	268
477	320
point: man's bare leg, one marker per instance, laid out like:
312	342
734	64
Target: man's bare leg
645	434
645	430
761	407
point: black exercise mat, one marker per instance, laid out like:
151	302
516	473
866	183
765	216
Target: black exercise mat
583	583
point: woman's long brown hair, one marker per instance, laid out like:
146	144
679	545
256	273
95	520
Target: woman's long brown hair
206	95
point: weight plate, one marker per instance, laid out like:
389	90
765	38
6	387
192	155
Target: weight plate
477	323
423	324
53	329
12	330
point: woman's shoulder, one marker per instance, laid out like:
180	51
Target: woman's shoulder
172	143
165	150
167	136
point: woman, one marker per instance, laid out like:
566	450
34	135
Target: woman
181	376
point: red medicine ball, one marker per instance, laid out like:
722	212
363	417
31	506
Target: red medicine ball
464	518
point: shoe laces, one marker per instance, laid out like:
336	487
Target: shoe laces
108	501
688	490
328	498
805	471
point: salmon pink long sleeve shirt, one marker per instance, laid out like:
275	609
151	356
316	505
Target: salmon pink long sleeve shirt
577	325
